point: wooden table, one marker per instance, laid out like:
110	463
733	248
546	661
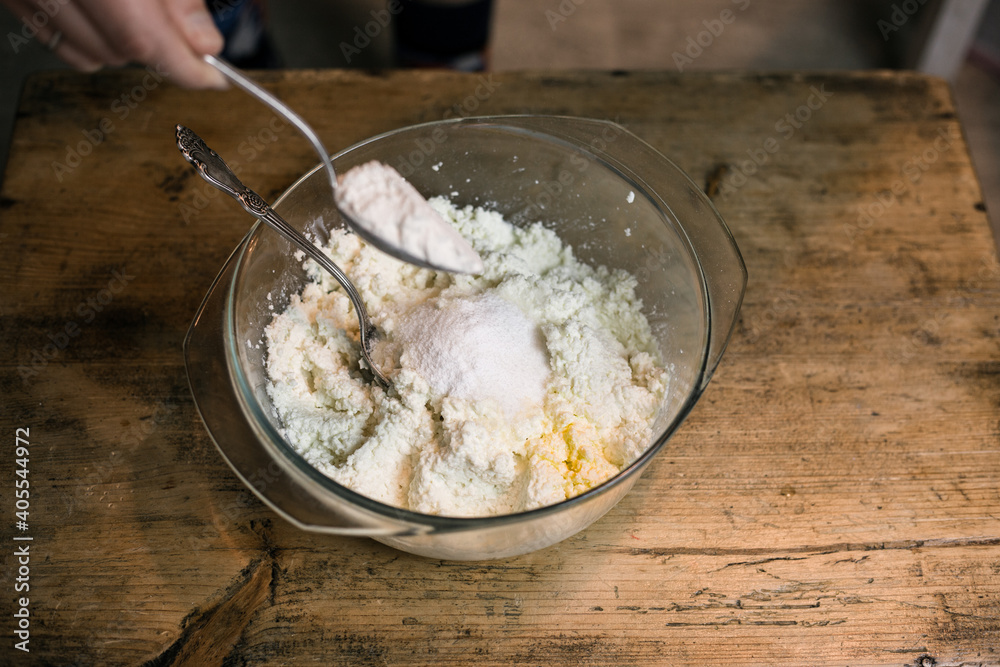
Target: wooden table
833	498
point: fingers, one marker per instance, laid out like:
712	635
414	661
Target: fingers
54	32
193	20
80	44
171	35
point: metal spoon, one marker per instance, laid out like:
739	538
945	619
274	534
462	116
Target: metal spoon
365	231
214	170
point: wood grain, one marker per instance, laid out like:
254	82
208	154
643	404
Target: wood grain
832	499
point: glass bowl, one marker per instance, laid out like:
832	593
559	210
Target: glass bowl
611	196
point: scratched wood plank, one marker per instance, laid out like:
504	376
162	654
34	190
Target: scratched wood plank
831	500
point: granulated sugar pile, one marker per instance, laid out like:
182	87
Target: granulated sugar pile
517	388
477	349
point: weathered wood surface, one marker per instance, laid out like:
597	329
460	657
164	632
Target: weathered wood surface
833	499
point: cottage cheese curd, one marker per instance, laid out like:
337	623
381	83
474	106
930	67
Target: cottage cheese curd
517	388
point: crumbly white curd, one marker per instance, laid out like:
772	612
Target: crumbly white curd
520	387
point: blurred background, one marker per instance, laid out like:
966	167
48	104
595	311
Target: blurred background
956	39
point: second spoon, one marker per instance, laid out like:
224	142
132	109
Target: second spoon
215	170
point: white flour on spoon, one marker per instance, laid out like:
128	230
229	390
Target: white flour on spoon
388	207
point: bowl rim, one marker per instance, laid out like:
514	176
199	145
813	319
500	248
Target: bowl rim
433	523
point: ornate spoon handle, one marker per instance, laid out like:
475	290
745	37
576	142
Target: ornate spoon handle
215	170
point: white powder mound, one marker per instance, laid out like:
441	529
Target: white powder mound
477	349
388	207
520	387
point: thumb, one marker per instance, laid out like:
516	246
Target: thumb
195	22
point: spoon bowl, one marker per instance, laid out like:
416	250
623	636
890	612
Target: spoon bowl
458	256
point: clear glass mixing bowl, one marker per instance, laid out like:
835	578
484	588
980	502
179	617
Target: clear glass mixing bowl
611	196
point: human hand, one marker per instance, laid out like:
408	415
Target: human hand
171	35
